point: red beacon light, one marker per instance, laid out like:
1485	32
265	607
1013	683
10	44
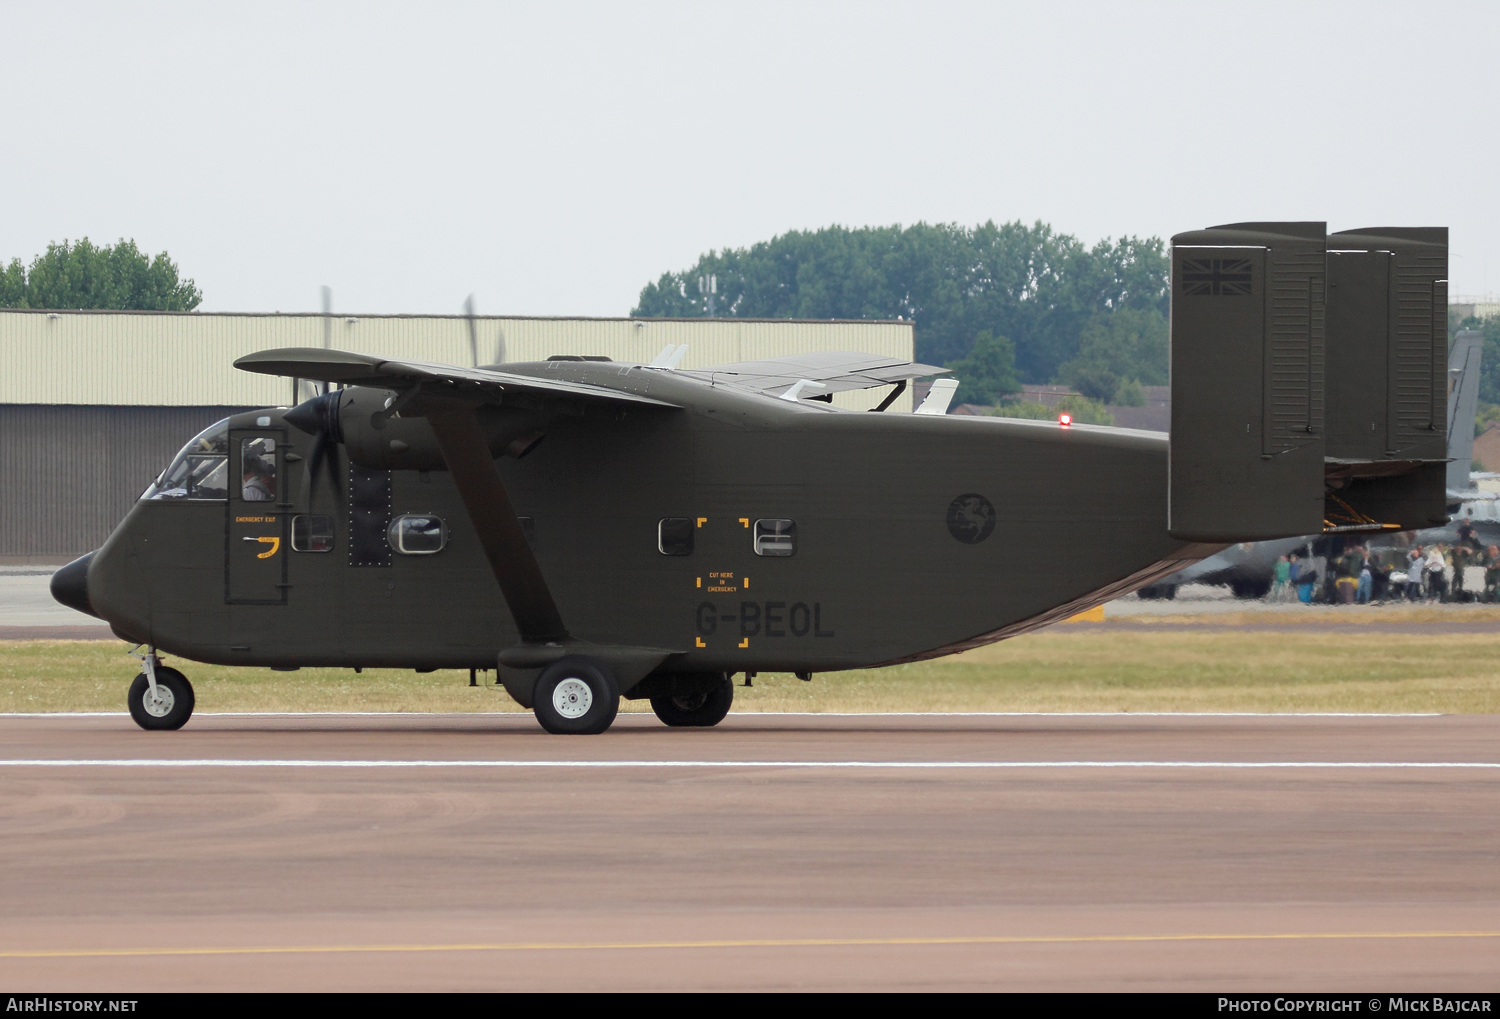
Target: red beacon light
1065	419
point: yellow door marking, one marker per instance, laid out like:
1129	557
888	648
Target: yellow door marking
745	521
576	946
698	641
275	544
702	521
747	581
745	642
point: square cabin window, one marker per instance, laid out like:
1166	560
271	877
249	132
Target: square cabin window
775	537
312	532
418	534
674	536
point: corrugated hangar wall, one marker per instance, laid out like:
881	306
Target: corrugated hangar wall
68	474
93	405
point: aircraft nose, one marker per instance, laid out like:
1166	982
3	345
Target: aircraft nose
70	585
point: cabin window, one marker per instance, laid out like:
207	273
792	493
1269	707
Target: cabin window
674	536
200	471
775	537
258	470
312	532
418	534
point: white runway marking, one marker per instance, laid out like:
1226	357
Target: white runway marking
764	714
167	762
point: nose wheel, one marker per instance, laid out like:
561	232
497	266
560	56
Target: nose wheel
160	697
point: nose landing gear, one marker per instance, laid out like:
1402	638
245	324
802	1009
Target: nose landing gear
160	697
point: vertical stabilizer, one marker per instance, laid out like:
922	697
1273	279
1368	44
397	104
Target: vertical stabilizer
1247	382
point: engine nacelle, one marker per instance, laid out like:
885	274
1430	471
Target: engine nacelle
378	440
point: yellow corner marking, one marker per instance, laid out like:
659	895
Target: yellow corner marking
702	521
565	946
275	544
747	581
745	521
745	642
700	581
698	642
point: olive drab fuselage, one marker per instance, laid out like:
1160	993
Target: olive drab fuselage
738	532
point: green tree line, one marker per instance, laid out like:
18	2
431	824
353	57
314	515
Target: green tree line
85	275
1010	303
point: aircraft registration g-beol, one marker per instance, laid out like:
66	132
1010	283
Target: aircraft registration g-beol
592	528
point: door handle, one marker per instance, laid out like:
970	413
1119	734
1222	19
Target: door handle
274	542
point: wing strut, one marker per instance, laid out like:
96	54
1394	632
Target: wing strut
494	518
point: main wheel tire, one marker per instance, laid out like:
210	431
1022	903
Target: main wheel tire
576	696
173	704
703	701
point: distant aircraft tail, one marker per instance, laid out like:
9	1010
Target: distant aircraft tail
1309	390
1463	402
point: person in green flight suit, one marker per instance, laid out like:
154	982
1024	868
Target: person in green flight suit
1492	573
1463	555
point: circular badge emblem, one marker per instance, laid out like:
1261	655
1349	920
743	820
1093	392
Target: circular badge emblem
971	518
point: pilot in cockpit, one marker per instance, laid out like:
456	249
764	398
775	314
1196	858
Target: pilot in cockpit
259	483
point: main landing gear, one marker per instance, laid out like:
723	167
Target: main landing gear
160	697
578	695
695	699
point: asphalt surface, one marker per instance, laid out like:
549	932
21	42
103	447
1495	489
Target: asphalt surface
400	852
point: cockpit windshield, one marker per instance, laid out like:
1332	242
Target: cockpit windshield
200	471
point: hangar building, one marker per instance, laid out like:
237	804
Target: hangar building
94	404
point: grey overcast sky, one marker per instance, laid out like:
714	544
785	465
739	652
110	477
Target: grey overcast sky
552	158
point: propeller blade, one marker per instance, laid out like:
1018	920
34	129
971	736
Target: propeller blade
314	461
319	417
327	323
473	332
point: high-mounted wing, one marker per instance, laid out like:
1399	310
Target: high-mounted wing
470	462
351	369
837	370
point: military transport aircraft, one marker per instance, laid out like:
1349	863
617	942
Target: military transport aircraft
592	528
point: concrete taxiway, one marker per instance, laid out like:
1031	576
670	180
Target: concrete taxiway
1089	852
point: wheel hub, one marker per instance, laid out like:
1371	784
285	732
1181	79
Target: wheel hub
160	704
572	698
690	701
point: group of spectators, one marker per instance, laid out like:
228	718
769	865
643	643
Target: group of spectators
1360	576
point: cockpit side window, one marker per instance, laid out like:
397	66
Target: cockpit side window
200	471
